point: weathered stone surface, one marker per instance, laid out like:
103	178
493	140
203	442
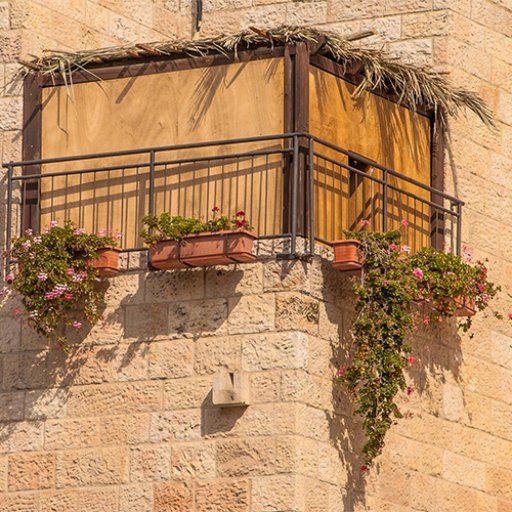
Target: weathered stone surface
194	460
124	429
271	351
171	359
175	496
122	398
241	457
198	318
31	471
186	393
79	433
224	281
146	321
21	436
223	496
297	311
175	425
251	313
96	466
49	403
136	498
212	354
150	462
178	285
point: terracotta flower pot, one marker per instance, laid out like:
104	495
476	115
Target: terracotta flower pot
203	249
165	255
347	255
465	307
107	262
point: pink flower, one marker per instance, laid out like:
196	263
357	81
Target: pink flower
510	316
341	371
37	240
485	297
26	244
16	312
79	231
481	288
42	276
426	321
53	224
411	359
418	273
215	209
406	249
102	232
9	278
393	247
28	232
77	325
70	271
409	390
364	222
32	314
404	222
68	296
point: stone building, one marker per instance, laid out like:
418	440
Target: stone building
126	420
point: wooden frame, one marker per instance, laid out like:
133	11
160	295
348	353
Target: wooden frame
297	59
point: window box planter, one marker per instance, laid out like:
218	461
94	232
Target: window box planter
347	255
203	249
107	262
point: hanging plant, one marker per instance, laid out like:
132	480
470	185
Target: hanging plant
392	283
56	275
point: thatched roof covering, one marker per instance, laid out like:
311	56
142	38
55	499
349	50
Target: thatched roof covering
413	85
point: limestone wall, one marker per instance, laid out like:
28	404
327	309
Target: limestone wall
126	422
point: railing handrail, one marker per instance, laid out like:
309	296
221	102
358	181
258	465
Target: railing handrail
388	170
156	149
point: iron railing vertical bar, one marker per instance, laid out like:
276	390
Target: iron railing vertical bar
295	185
8	230
311	191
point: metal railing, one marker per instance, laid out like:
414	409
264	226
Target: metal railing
290	185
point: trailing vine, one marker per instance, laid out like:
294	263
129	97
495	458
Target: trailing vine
391	284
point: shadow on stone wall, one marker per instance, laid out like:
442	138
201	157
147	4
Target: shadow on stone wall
437	349
38	379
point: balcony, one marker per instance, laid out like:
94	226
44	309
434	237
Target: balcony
293	186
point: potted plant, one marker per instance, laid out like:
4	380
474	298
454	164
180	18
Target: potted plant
106	260
56	275
347	254
178	242
391	284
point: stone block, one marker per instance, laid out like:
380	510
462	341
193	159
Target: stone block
277	492
21	436
186	393
146	321
176	285
265	386
93	466
149	463
243	457
124	429
223	496
171	359
251	313
175	425
31	471
284	275
198	318
43	404
66	434
222	281
136	498
11	406
110	399
127	288
212	354
23	502
273	351
295	311
194	460
175	496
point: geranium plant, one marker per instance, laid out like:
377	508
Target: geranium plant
55	276
167	227
393	282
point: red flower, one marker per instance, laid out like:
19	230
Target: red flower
68	296
364	468
341	371
411	359
215	209
240	213
16	312
409	390
240	223
510	316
